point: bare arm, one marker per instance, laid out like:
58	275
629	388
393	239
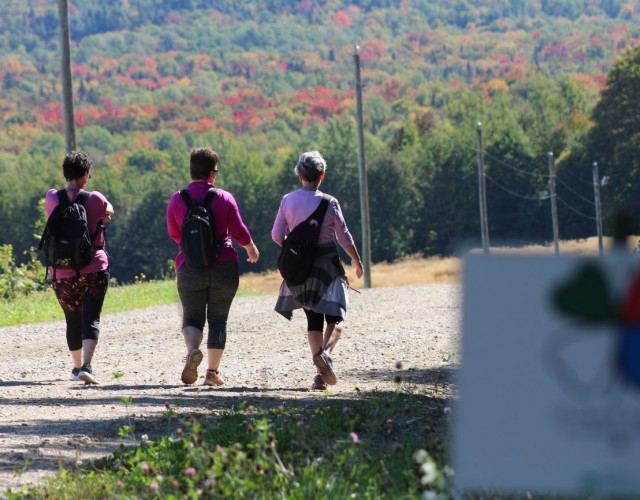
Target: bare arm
352	252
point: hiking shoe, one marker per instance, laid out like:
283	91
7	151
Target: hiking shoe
322	360
213	377
86	374
318	384
74	374
190	372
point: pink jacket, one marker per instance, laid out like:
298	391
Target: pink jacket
95	207
226	217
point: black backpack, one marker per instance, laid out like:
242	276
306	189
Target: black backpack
66	240
198	232
299	248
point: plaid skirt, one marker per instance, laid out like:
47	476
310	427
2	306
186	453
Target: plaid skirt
324	291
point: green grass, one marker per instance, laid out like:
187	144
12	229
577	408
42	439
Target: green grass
43	306
367	446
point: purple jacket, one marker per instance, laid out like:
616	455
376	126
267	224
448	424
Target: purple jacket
296	206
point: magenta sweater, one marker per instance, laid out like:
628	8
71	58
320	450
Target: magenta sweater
226	217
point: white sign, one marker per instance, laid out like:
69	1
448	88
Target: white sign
550	376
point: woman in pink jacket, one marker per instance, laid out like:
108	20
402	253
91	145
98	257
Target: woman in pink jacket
81	296
206	294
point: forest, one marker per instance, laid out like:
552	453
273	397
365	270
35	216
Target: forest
261	82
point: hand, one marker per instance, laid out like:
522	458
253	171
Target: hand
252	253
359	271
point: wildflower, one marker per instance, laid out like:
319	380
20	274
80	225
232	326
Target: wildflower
447	410
397	446
448	471
189	472
144	438
428	472
354	437
145	467
420	456
154	486
399	364
346	410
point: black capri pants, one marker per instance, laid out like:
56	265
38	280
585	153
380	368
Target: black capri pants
315	321
206	296
81	298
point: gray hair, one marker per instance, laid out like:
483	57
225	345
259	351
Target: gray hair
310	166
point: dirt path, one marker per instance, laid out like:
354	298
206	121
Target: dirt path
47	420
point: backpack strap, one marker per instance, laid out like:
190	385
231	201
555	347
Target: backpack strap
320	212
211	194
188	200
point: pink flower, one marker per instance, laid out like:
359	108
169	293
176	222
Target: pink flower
154	486
346	410
145	467
399	364
190	472
354	437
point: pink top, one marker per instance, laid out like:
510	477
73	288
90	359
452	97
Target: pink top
95	206
296	206
226	218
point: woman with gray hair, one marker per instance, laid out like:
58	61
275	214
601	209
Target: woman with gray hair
323	295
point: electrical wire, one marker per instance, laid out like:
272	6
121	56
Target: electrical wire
577	212
513	193
583	198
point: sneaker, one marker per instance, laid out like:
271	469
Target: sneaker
86	374
74	374
324	364
213	377
190	371
318	384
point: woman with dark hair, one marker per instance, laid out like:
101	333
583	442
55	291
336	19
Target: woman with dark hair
81	292
206	293
323	296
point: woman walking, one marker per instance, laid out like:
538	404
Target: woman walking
323	295
81	292
206	293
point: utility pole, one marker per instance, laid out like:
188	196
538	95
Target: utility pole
596	195
67	91
482	193
362	170
554	206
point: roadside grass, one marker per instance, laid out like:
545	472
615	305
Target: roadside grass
42	306
375	445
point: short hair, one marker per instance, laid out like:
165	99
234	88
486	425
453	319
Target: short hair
202	162
311	165
75	165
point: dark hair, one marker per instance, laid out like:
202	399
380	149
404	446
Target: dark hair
311	165
75	165
202	162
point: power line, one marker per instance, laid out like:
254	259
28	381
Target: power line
524	197
574	210
515	169
583	198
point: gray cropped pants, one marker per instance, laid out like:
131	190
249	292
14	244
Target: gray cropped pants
206	296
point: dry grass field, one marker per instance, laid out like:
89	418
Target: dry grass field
417	270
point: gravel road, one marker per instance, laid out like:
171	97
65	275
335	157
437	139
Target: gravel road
47	421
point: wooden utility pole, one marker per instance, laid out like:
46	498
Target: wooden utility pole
554	206
67	91
364	189
482	193
596	196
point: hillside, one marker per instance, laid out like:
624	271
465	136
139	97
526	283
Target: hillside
263	81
